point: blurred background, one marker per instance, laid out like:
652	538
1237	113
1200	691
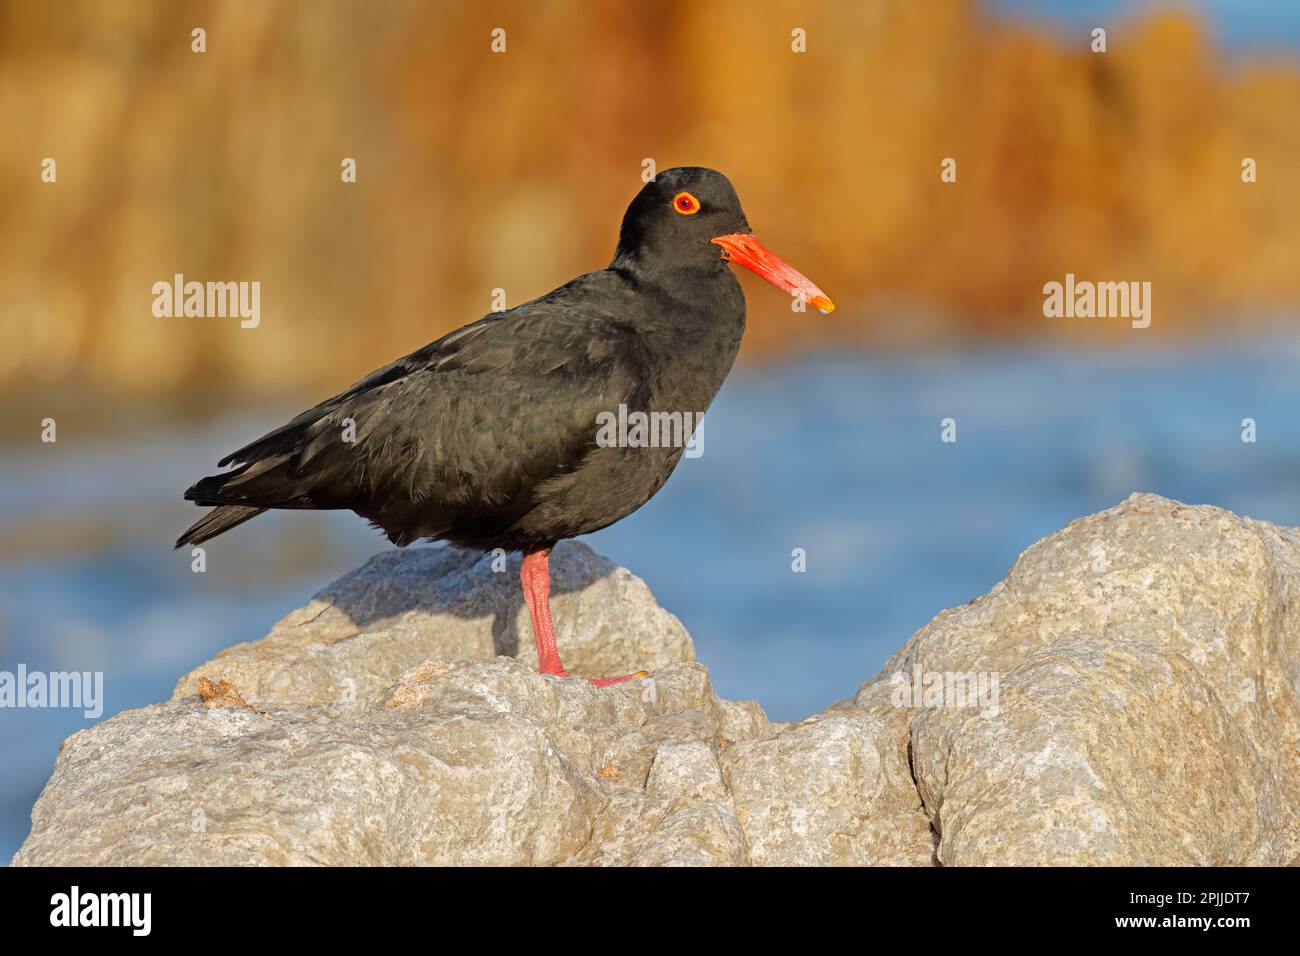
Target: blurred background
478	171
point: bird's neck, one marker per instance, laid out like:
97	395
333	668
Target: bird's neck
692	294
691	322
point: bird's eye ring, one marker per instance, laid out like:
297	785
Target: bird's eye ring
686	204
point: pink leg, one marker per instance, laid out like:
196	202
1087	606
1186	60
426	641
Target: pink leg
536	579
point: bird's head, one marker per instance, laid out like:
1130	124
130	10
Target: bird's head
689	218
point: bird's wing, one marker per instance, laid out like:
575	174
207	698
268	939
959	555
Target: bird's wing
474	420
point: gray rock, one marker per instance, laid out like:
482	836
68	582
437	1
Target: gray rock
1145	711
1148	660
828	791
478	762
360	634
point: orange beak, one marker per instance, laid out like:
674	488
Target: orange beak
744	250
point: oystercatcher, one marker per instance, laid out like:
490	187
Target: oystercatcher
488	437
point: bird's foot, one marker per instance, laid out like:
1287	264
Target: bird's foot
557	671
623	678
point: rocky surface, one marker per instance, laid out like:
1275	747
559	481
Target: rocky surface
354	639
480	762
1149	665
1136	702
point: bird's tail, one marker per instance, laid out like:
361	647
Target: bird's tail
217	521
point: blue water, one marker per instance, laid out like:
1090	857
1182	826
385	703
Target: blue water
839	456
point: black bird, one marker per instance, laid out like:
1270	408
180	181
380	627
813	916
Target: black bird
491	437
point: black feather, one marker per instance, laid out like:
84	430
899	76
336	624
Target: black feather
215	522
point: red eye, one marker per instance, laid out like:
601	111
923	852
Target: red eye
686	204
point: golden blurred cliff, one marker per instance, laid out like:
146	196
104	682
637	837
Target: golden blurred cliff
479	170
